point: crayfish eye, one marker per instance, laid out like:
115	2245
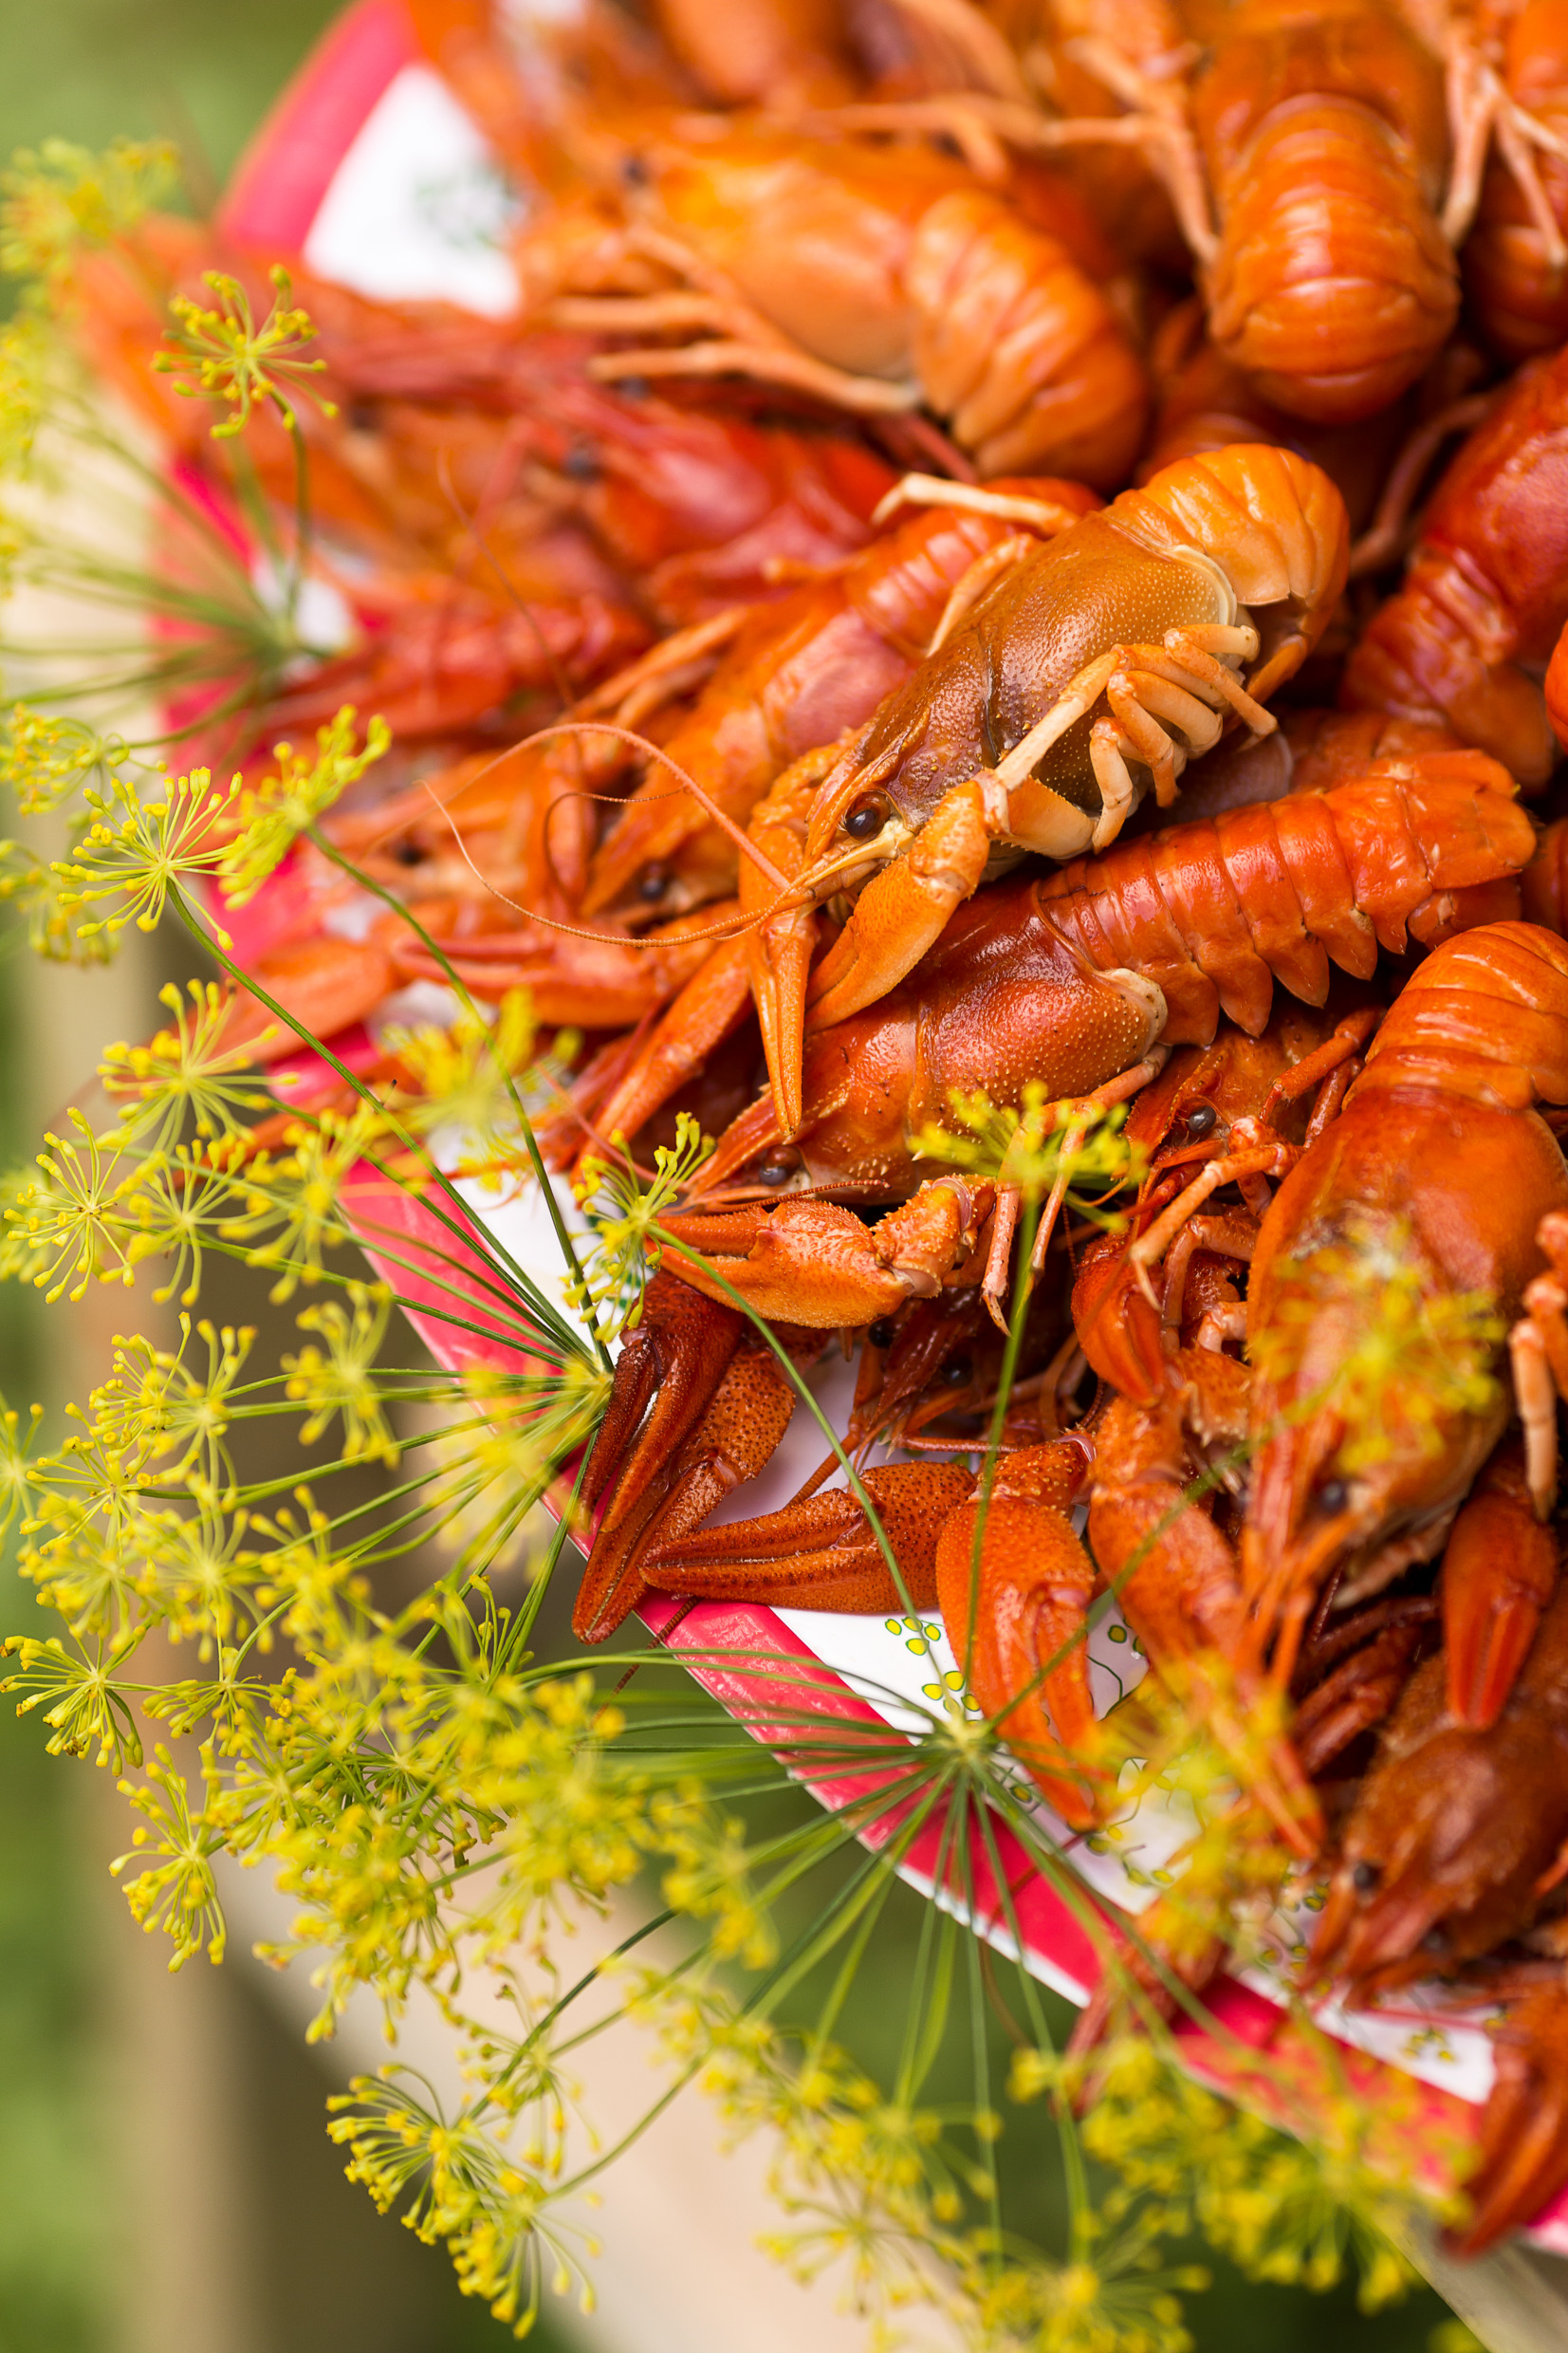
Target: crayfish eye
957	1372
776	1172
652	882
581	464
880	1333
635	172
1201	1119
1333	1497
1365	1878
863	820
409	854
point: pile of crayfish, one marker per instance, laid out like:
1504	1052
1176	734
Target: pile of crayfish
1022	549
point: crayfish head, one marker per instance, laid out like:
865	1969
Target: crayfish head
1442	1857
1376	1398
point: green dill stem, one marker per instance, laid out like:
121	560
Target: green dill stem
926	2021
838	1994
826	1929
541	1585
304	519
1074	2172
980	2042
459	987
246	1255
563	2002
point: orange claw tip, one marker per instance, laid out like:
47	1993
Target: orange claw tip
1018	1633
745	1406
1484	1658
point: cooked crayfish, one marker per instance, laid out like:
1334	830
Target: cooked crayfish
1451	1848
1516	257
1324	134
1070	979
1439	1173
797	676
875	277
1487	592
1234	1113
1025	730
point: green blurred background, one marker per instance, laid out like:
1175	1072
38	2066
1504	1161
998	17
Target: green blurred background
99	2063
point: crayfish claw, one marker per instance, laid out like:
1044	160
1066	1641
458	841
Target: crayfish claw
808	1261
1500	1570
1524	2141
1015	1583
666	1375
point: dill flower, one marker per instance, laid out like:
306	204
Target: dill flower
497	1459
466	1077
45	759
175	1890
1415	1356
341	1378
1073	1149
623	1214
297	1199
1283	2209
58	198
467	2188
236	361
186	1077
273	814
75	1223
83	1706
24	355
133	852
162	1408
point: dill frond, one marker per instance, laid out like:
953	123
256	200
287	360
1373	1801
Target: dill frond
59	199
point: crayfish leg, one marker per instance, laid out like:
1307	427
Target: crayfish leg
1359	1694
1118	1327
820	1552
710	1007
